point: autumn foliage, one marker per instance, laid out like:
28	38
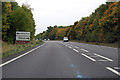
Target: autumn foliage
100	26
16	18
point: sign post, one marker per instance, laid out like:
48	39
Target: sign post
22	37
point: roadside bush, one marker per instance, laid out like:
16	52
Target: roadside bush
78	37
94	36
109	37
88	37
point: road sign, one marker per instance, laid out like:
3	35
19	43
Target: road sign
23	33
22	37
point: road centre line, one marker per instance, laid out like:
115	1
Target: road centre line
103	57
84	50
114	71
102	60
76	47
75	50
70	47
1	65
109	47
116	67
88	57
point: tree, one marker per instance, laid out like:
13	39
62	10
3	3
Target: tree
16	18
6	12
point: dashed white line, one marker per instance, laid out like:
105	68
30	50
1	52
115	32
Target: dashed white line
88	57
76	47
20	56
103	57
66	45
93	56
75	50
116	67
109	47
70	47
84	50
102	60
114	71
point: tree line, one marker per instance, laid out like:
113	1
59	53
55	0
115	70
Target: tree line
100	26
16	18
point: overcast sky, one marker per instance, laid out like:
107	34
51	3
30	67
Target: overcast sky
60	12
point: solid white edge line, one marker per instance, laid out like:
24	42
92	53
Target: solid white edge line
103	57
1	65
75	50
84	50
114	71
88	57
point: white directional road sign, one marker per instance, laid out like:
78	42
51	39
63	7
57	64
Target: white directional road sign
22	33
22	36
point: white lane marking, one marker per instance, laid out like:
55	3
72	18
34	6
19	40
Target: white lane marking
102	60
1	65
114	71
93	56
70	47
103	57
75	50
84	50
88	57
76	47
116	67
109	47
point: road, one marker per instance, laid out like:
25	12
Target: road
57	59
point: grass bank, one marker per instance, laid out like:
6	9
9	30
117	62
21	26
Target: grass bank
10	49
101	44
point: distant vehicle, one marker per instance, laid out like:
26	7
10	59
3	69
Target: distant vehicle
48	39
65	39
44	39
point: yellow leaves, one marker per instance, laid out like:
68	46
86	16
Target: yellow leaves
110	15
91	26
106	12
115	20
8	7
112	5
61	32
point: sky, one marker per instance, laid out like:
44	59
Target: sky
60	12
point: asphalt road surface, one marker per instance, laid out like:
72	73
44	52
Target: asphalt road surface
57	59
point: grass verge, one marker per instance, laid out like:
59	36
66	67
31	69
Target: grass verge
10	49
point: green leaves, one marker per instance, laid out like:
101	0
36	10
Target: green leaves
100	26
16	18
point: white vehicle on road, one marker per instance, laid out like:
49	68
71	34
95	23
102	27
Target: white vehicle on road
65	39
